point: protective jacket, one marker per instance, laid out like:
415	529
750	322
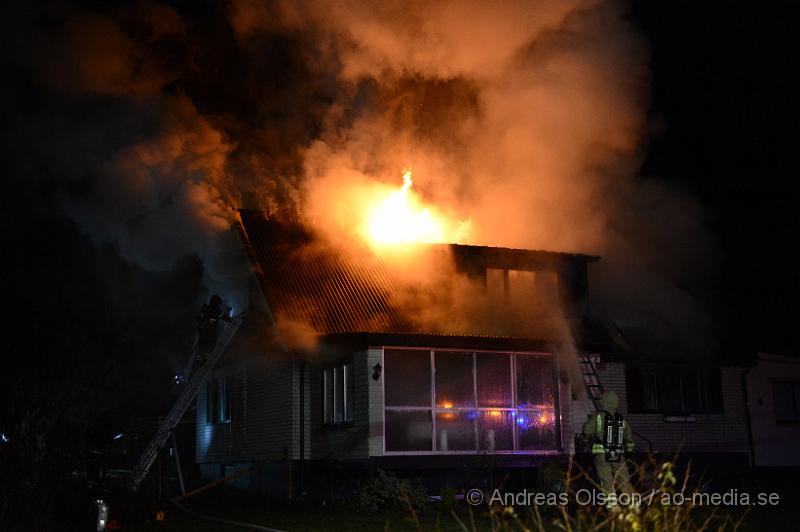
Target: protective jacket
207	321
606	427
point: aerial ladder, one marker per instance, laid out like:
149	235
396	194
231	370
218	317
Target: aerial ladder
226	331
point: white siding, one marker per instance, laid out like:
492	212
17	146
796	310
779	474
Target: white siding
349	441
375	399
775	444
260	418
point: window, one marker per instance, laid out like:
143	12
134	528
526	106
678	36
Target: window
211	400
219	400
226	398
337	393
539	288
673	389
496	284
447	401
787	401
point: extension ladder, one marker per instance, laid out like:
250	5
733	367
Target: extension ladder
594	388
225	335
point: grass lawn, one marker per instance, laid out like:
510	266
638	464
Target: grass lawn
298	516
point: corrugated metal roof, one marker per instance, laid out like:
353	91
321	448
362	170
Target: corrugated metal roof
351	289
310	282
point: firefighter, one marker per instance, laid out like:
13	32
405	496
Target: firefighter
611	438
207	322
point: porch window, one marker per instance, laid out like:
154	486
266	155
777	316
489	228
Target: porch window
337	392
451	401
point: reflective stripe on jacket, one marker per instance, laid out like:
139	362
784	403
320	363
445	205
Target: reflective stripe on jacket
599	434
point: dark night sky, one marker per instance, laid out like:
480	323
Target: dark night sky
723	122
725	115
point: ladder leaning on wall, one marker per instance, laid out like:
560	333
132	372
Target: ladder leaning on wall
200	376
594	389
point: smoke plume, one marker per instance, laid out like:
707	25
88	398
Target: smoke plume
526	119
153	124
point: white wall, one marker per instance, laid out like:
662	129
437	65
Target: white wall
774	444
375	397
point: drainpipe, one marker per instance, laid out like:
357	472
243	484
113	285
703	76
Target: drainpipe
750	443
302	426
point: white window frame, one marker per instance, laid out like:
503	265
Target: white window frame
433	408
334	396
219	400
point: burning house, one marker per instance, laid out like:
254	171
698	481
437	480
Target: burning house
346	362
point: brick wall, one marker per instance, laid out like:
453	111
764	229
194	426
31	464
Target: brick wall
726	432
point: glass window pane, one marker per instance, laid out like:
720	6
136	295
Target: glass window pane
215	401
348	392
222	393
407	377
408	431
536	429
209	402
784	401
546	287
455	431
327	394
650	391
495	288
521	288
454	382
493	379
669	390
338	394
797	402
227	398
691	392
495	430
534	381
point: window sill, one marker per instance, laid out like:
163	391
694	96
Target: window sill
679	419
528	452
337	426
690	416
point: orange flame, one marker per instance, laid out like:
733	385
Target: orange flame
402	218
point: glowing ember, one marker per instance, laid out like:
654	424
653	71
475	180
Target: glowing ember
401	218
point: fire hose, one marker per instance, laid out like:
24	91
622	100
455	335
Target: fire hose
177	502
223	521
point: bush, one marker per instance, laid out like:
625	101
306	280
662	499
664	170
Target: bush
654	479
385	490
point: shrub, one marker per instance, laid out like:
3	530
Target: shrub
653	478
385	490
